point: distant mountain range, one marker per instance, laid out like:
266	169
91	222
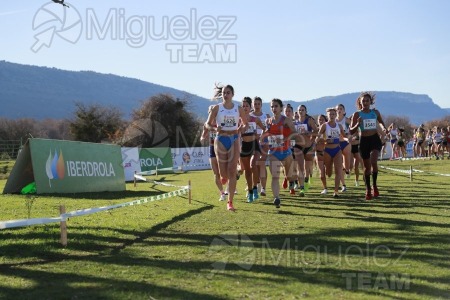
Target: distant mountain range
40	92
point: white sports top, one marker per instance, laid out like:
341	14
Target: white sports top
332	133
344	124
262	118
227	119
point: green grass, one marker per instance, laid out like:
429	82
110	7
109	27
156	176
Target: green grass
314	247
5	168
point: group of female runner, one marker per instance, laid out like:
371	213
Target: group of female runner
243	133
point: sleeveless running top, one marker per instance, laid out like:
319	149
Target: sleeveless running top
227	119
278	132
369	120
332	133
262	118
344	124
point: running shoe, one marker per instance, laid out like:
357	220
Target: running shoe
356	183
302	193
285	183
263	192
335	195
230	206
277	202
376	194
324	192
368	195
344	188
292	191
223	197
250	197
255	194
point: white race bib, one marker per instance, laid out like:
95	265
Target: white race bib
229	121
369	124
276	141
301	128
251	127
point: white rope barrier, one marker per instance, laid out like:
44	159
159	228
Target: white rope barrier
82	212
414	170
28	222
396	170
434	173
142	178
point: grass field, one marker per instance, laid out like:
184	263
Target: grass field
315	247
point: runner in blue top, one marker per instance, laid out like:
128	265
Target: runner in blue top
366	120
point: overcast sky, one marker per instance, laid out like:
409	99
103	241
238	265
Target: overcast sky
293	50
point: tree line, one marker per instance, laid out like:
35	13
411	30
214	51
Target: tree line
160	121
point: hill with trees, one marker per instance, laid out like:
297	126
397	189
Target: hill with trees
49	93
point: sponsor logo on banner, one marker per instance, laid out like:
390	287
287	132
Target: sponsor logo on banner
54	167
196	158
58	168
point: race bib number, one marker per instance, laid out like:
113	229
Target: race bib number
229	121
212	135
276	141
302	128
370	124
292	143
334	133
251	127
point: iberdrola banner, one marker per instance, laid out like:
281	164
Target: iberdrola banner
67	167
155	158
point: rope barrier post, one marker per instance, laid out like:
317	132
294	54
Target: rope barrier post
135	179
410	173
63	227
156	171
189	192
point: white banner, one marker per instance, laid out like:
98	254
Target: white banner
196	158
131	164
